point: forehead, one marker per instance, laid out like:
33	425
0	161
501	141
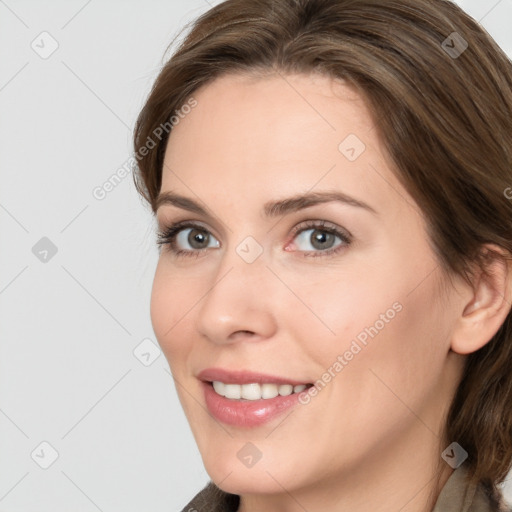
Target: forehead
278	135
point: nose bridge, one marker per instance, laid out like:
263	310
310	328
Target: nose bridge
238	297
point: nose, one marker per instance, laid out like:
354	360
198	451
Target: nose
238	303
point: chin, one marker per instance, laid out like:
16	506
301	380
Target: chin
250	481
231	475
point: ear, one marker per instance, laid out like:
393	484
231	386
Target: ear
486	304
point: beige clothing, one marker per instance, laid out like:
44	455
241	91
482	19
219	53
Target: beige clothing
455	496
458	496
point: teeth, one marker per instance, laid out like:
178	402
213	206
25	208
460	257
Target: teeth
219	387
255	391
251	391
285	390
232	391
269	391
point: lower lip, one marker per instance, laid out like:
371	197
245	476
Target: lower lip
246	413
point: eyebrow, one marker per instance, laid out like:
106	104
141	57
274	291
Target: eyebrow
271	208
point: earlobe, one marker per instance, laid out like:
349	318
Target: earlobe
488	306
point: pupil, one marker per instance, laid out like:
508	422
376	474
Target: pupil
196	236
321	238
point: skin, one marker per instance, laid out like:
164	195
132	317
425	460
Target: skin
370	439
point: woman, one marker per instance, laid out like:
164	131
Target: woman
334	285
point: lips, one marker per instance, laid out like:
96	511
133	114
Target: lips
254	411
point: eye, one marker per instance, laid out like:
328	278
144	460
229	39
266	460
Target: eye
320	238
187	233
197	238
315	238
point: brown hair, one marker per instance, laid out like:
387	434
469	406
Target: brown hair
444	114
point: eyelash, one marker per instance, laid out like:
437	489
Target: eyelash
167	237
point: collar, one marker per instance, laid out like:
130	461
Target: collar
458	495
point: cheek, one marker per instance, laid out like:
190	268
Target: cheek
170	298
375	321
402	356
344	308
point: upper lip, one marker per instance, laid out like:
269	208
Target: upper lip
244	377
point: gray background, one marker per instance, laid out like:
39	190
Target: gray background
71	321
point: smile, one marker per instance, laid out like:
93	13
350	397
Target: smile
255	391
248	399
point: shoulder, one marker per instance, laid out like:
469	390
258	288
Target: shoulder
489	499
496	501
213	499
459	495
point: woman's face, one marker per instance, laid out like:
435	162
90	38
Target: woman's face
273	290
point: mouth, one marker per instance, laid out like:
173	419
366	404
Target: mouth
248	399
